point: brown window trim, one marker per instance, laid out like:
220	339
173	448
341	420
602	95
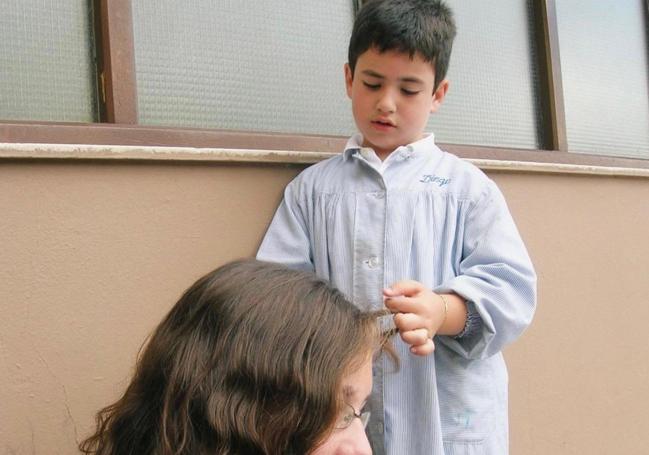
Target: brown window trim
547	37
116	80
112	134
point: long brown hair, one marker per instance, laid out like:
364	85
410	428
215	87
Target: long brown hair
249	361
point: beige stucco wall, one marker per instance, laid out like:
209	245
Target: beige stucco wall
94	253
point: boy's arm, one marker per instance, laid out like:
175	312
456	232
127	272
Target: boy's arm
287	239
496	278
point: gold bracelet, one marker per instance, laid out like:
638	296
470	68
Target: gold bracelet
445	307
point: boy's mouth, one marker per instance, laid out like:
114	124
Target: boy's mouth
383	124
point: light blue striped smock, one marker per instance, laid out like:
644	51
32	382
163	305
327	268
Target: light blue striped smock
425	215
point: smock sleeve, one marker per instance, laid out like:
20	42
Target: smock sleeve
496	277
287	239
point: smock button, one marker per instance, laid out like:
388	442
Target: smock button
373	262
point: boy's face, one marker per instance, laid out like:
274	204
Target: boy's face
392	97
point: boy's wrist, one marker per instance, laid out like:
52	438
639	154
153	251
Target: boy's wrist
455	314
444	303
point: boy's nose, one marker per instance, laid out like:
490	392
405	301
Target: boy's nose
386	104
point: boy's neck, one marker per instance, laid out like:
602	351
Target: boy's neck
383	154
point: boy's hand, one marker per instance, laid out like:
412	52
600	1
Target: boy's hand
418	314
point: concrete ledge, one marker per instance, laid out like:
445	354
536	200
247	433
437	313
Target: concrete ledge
23	151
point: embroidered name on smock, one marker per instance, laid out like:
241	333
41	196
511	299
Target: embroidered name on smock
440	181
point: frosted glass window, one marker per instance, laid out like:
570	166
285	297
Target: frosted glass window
277	66
46	61
494	90
243	64
605	73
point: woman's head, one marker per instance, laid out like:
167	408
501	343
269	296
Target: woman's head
254	358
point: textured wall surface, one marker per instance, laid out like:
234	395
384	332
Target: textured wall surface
94	254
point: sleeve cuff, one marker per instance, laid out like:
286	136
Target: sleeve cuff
473	322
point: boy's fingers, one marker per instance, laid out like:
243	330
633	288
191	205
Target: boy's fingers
408	321
417	337
389	292
403	305
424	349
404	287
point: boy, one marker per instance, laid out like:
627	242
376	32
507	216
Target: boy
394	210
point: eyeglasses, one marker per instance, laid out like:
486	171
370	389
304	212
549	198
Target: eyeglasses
348	415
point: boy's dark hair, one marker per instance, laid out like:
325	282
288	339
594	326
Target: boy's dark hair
413	26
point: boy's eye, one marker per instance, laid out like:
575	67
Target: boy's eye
371	86
409	92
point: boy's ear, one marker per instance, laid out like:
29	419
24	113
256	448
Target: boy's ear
348	79
438	95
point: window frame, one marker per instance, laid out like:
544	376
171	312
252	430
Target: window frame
118	117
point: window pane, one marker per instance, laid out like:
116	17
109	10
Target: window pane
46	67
494	83
604	65
244	64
